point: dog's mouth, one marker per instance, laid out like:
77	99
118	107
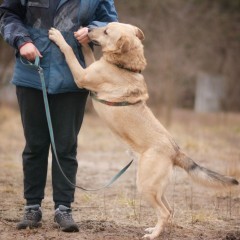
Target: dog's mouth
96	43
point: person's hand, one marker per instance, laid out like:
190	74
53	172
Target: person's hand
82	35
29	51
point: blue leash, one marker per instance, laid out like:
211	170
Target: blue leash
36	65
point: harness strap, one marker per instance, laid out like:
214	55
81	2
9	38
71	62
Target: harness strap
116	104
36	65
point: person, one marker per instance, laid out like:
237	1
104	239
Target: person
24	25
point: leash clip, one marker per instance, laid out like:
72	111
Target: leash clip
39	69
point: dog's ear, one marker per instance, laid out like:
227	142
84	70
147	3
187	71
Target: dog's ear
123	44
139	33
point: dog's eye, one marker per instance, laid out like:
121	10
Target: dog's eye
105	32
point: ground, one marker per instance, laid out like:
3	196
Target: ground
119	213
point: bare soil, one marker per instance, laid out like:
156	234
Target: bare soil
119	213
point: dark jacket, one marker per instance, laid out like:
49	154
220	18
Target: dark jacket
29	21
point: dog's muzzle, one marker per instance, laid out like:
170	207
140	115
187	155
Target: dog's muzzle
95	42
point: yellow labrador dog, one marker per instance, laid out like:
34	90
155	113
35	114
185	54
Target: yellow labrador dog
119	96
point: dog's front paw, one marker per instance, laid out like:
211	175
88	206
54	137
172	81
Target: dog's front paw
56	36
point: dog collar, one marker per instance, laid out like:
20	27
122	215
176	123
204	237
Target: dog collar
129	69
116	104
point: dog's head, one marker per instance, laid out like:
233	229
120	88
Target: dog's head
116	37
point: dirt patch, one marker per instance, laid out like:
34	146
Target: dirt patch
108	230
232	236
119	213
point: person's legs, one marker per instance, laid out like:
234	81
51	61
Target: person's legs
67	111
35	154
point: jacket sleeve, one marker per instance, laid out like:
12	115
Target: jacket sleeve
104	14
11	23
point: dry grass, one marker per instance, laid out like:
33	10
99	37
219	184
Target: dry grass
119	212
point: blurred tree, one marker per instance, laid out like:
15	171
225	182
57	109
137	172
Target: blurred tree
6	61
183	39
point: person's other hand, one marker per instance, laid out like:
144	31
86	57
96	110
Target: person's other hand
29	51
82	35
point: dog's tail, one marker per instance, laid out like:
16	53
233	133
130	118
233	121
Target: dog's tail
203	175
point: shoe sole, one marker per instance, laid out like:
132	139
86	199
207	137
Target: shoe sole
28	224
70	229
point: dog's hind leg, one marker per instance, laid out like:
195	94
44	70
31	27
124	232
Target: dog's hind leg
163	215
166	203
152	180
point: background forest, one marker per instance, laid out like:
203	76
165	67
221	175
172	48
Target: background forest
186	41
